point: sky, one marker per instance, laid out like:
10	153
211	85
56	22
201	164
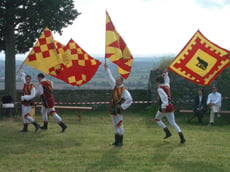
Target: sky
149	27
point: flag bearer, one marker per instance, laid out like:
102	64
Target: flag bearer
120	101
28	102
166	108
45	91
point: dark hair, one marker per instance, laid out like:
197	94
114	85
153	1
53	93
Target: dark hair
122	79
160	79
41	75
28	76
201	89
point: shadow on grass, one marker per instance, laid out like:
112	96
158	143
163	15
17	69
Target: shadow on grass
109	160
15	142
162	151
196	166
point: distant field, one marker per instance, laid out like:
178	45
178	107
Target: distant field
84	147
138	78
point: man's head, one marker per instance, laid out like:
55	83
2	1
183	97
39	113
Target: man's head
40	76
119	81
160	80
200	91
214	89
28	79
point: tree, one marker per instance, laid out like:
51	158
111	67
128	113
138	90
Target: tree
21	23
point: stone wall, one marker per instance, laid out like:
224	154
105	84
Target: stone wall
184	91
92	96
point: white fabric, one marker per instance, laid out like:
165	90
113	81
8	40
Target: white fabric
31	96
214	98
171	118
39	90
125	95
214	109
25	111
8	105
22	77
45	111
167	79
164	98
115	120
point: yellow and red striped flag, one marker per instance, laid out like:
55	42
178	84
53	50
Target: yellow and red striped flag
77	67
43	55
117	50
200	61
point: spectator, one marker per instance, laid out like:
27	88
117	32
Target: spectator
214	103
200	106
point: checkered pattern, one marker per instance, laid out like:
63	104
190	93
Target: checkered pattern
200	61
117	50
43	55
77	67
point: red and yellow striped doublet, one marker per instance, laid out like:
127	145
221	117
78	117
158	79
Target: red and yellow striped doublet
115	100
27	91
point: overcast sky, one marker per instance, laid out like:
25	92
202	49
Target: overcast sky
149	27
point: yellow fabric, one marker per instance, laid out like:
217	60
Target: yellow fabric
43	55
116	49
200	61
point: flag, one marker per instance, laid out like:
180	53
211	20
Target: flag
117	50
77	67
200	61
43	55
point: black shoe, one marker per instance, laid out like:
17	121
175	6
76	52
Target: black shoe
116	137
120	141
25	128
37	126
63	126
45	126
167	133
182	139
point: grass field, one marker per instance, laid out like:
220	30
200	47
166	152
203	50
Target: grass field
85	146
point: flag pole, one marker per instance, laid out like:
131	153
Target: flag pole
105	34
29	53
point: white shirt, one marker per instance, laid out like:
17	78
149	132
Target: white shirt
125	95
214	98
167	79
40	90
163	96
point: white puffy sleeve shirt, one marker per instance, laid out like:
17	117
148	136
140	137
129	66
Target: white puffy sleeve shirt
40	90
164	98
125	95
33	90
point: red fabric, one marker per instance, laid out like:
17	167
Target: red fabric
122	57
47	97
119	123
77	68
170	107
200	61
27	91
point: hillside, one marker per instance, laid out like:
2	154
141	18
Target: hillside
138	78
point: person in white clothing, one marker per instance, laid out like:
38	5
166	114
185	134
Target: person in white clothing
166	108
27	102
214	103
120	101
45	91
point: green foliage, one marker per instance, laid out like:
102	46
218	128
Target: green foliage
165	62
29	18
84	147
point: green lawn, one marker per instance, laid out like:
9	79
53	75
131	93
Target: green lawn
85	146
